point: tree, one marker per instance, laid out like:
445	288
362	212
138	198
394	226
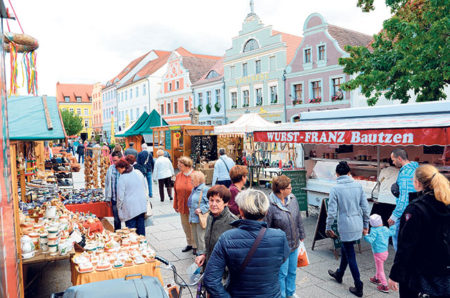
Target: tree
411	53
72	122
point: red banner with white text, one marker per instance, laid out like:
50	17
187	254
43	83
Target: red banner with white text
393	137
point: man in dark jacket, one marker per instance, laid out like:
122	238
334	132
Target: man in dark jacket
80	151
131	150
259	278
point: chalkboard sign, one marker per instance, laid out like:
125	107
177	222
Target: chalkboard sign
168	139
319	233
298	183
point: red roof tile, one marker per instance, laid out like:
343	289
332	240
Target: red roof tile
292	43
74	90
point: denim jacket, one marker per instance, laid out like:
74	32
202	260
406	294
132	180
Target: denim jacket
193	202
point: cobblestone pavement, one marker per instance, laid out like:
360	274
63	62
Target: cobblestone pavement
167	237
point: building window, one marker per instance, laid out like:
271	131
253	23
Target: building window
272	63
86	112
177	85
251	45
162	109
144	89
90	98
66	98
298	91
244	70
232	72
145	109
321	52
79	111
137	91
212	74
316	89
336	91
246	98
131	93
258	66
169	110
259	97
175	107
234	99
170	86
217	96
208	97
86	123
126	95
186	106
307	57
78	98
200	99
273	94
131	115
137	113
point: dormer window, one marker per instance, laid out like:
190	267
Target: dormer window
78	98
251	45
66	98
212	74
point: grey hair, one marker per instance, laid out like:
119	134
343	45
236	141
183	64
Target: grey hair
160	152
253	203
221	151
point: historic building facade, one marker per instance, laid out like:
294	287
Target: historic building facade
77	98
175	95
209	94
97	113
314	77
254	68
138	94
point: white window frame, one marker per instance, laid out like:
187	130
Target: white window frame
234	90
86	112
79	111
256	66
307	65
186	105
310	89
330	85
246	69
269	86
144	89
323	62
293	90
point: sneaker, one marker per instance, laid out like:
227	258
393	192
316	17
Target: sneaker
375	280
335	275
357	291
383	288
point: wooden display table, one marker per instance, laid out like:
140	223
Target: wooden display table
46	258
147	269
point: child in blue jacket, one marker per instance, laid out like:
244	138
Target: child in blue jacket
379	240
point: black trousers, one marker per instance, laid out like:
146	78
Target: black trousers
165	182
406	292
117	223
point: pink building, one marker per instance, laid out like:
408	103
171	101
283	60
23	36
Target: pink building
314	76
97	119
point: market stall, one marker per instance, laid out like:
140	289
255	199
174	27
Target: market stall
141	128
177	140
365	138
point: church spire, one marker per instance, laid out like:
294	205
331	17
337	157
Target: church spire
252	7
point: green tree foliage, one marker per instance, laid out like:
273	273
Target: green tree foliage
72	122
411	53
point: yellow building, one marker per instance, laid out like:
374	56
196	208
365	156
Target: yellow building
78	99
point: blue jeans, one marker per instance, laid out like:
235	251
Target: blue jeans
150	182
288	273
348	258
80	157
117	223
137	222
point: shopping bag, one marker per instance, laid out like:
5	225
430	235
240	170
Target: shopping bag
149	212
302	259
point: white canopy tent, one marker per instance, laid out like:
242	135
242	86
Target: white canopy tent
245	124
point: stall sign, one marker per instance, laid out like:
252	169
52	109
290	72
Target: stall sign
411	136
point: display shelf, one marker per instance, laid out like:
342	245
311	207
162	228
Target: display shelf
357	162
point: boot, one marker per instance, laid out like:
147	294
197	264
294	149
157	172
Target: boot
357	290
194	251
335	275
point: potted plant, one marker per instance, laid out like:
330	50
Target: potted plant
297	101
217	106
234	106
316	100
338	96
208	108
259	102
200	108
245	105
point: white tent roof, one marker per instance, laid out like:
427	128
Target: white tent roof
245	124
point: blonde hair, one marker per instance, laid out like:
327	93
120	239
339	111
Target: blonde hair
253	203
431	179
186	161
160	152
199	176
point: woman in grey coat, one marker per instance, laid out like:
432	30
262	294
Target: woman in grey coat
284	214
347	204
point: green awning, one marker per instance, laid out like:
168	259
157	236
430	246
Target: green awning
27	119
153	120
132	130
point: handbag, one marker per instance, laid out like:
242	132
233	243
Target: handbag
302	259
203	217
149	211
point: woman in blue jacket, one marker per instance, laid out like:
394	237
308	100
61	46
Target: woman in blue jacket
258	277
198	203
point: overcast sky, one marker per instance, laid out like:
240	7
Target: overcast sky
91	41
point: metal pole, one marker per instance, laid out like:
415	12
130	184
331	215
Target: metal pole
284	97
